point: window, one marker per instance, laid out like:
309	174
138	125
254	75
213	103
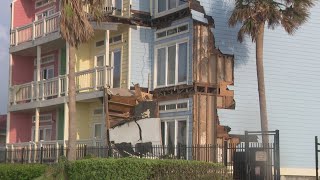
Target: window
99	61
44	14
43	118
45	133
97	131
45	60
41	3
172	31
115	39
174	134
98	112
47	73
100	43
118	5
116	62
165	5
172	62
170	106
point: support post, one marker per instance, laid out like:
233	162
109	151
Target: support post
107	60
66	123
225	154
106	110
38	71
8	128
37	122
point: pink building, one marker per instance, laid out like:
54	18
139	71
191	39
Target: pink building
3	126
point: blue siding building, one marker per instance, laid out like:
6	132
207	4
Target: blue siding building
292	85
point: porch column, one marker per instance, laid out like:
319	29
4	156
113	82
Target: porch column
107	60
36	124
66	122
38	86
8	128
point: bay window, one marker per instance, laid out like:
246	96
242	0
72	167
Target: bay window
171	63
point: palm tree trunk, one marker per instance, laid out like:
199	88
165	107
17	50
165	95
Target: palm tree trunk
261	86
72	107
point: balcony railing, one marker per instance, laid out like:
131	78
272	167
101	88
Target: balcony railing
108	8
86	81
35	29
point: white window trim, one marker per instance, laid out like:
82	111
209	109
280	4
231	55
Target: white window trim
93	131
166	45
176	120
171	27
174	102
117	42
96	58
40	127
177	8
33	117
112	63
35	4
47	9
41	63
47	67
104	43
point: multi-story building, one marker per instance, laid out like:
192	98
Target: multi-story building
167	46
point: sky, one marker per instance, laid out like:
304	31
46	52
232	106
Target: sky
4	53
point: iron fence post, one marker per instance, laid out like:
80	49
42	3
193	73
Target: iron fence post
247	155
5	155
41	155
22	153
225	154
277	153
317	158
85	150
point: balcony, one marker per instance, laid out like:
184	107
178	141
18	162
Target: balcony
86	81
35	30
110	8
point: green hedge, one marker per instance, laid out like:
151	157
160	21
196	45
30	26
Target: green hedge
132	168
21	171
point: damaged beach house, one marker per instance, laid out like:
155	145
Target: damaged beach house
165	78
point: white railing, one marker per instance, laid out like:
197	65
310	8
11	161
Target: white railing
88	80
35	29
108	8
48	150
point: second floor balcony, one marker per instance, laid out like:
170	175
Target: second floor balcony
86	81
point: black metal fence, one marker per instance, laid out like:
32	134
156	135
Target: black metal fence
232	156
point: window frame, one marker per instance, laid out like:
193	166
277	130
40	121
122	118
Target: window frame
104	43
115	42
168	11
42	5
48	114
176	102
176	120
45	128
166	45
94	131
40	12
46	56
111	55
46	68
96	60
169	28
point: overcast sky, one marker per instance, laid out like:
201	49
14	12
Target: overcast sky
4	53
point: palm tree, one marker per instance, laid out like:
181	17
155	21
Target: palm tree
253	16
76	29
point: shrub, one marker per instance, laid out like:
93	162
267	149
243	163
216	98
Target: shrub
21	171
132	168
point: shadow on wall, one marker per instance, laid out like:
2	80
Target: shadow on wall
225	36
28	8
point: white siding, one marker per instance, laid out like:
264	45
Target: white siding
292	83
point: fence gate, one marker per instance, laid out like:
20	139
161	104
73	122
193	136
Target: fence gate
253	160
317	144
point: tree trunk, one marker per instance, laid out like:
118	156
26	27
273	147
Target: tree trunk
261	86
72	107
262	100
